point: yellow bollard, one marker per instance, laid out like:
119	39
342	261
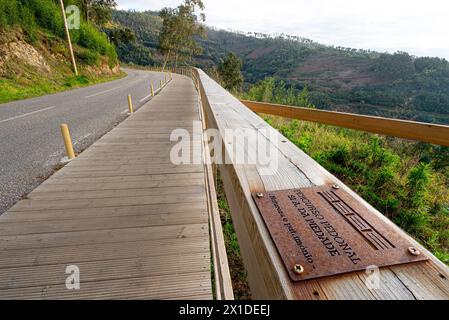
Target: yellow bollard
130	104
67	141
160	84
152	90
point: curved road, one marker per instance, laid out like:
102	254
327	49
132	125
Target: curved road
30	139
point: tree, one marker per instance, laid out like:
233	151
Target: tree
98	11
179	28
120	35
230	72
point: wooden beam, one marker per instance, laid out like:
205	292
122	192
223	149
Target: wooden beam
223	282
419	131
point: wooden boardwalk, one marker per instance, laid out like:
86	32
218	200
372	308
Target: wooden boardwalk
134	224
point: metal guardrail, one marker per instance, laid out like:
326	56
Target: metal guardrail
419	131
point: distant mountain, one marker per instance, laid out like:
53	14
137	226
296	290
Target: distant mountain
361	81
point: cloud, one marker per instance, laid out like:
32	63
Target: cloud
385	25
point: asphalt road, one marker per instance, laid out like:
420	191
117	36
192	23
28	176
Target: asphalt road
30	138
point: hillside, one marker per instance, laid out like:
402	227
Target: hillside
361	81
34	58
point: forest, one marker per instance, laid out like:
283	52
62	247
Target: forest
394	85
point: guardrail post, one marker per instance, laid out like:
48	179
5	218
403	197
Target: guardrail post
130	104
67	141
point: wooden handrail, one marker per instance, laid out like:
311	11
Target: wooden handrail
267	275
419	131
222	275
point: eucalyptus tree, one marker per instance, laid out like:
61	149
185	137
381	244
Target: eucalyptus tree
97	11
180	26
230	73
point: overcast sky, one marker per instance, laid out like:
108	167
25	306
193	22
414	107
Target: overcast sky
418	27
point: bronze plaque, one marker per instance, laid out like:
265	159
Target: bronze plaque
323	231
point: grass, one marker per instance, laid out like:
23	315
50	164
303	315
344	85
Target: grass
33	85
407	181
238	273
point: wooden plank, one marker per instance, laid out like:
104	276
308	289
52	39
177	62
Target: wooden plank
130	172
100	194
57	239
223	282
109	251
105	223
87	213
124	185
183	286
54	274
419	131
29	204
131	169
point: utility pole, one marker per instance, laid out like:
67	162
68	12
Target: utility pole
68	37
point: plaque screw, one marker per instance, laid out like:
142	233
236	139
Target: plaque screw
259	195
414	251
335	186
298	269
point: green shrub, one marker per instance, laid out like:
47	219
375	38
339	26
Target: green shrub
417	182
111	53
30	14
9	13
28	23
91	38
88	57
76	81
48	15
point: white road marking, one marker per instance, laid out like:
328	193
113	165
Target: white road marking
98	93
109	90
124	111
27	114
135	81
